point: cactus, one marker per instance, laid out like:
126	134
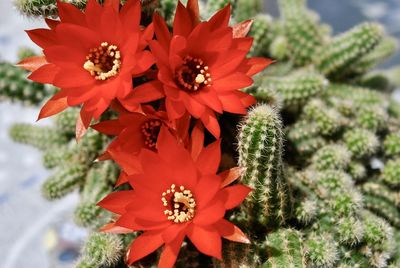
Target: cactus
44	8
15	87
285	248
260	150
102	250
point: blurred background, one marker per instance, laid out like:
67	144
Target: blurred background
37	233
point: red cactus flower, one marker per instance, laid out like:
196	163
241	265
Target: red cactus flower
177	195
92	56
134	132
203	65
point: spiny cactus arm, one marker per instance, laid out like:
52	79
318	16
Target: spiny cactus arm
263	31
290	8
335	58
285	249
328	120
15	87
295	89
306	211
386	48
371	117
64	181
56	156
247	9
102	250
379	190
214	5
391	144
391	173
361	142
357	170
383	208
44	8
66	121
321	250
333	156
98	183
260	154
40	137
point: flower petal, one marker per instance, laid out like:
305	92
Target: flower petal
146	92
183	22
207	241
235	195
117	201
211	213
209	158
144	245
55	105
242	29
231	232
170	252
32	63
230	175
211	123
197	140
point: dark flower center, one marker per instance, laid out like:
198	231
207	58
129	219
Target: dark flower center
193	74
150	130
103	62
179	203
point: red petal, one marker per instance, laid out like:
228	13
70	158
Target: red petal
194	107
52	23
211	213
230	175
197	140
231	232
211	123
68	13
112	3
221	18
161	30
242	29
130	15
144	245
194	11
257	65
231	103
42	37
172	232
44	74
123	178
144	61
115	229
209	97
109	127
209	158
170	253
233	81
32	63
147	92
182	23
55	105
116	202
206	241
235	195
206	189
82	124
175	109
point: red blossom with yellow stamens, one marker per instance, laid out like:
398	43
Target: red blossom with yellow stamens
177	195
92	57
202	66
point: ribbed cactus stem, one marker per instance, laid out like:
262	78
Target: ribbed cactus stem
15	87
344	49
64	181
285	249
260	154
102	250
43	8
98	183
361	142
321	250
39	137
263	32
66	121
247	9
295	89
391	173
333	156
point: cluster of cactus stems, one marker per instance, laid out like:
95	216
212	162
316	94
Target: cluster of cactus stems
321	150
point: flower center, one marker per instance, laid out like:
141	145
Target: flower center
180	204
103	61
193	74
150	130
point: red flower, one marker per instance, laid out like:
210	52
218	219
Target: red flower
92	56
203	65
134	132
177	195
